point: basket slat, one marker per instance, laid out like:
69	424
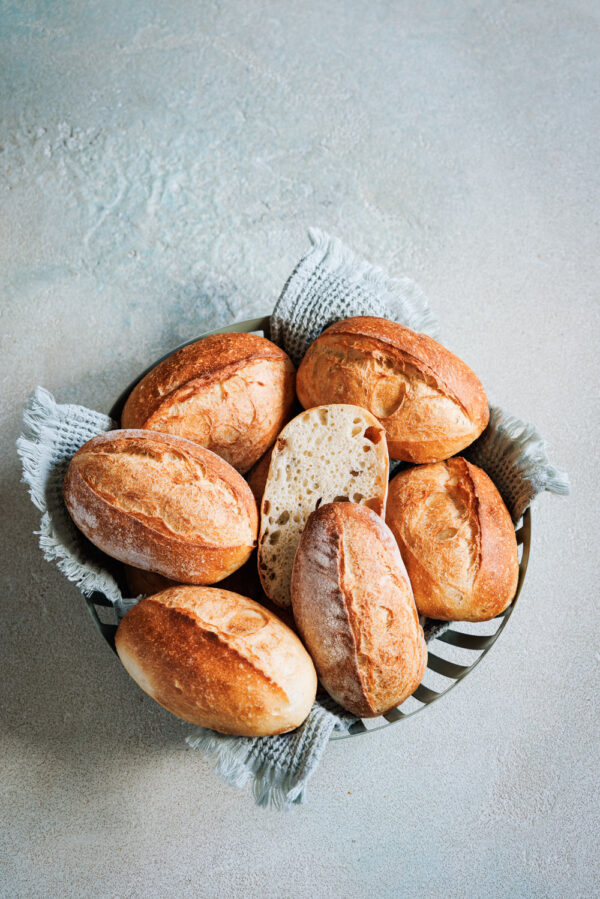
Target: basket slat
448	669
394	715
466	641
425	695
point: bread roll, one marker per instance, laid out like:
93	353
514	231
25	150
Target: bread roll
329	453
430	403
231	393
456	538
257	476
145	583
244	580
355	611
218	660
162	503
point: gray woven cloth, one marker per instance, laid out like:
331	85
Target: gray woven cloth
328	283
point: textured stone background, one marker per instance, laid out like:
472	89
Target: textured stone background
159	165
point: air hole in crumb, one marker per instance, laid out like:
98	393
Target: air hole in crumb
323	416
356	430
318	503
266	507
283	518
341	499
356	421
357	498
354	473
447	534
366	447
373	434
274	537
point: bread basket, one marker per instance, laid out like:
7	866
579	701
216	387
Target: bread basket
451	655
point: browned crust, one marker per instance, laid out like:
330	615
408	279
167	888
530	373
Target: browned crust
145	583
494	546
253	684
448	372
139	542
359	673
333	648
496	581
258	474
208	360
238	424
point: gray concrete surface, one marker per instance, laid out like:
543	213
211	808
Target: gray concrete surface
160	162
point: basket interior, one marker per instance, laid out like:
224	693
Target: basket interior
451	656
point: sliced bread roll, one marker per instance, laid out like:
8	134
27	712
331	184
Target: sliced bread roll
327	454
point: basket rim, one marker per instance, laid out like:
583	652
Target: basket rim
450	636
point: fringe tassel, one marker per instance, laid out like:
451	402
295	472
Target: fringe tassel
34	451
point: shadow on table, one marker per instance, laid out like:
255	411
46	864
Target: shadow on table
63	691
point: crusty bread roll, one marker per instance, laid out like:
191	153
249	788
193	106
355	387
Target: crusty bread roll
162	503
244	580
456	538
325	454
231	393
146	583
355	611
218	660
257	476
431	404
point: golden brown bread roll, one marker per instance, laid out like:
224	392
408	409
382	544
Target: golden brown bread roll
244	580
430	403
145	583
162	503
456	538
355	611
231	393
218	660
257	476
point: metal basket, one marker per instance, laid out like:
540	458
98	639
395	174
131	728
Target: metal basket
451	656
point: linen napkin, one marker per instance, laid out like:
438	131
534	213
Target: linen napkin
328	283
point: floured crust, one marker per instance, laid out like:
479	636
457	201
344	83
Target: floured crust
430	402
456	538
218	660
231	393
324	454
163	504
354	608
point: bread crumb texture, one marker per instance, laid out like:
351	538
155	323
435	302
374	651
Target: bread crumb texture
334	453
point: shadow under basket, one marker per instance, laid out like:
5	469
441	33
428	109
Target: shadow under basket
451	656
